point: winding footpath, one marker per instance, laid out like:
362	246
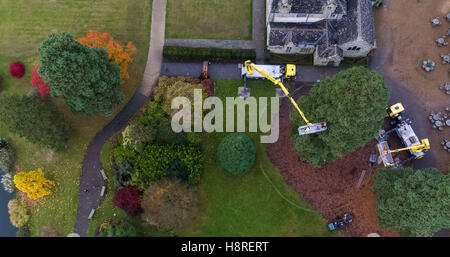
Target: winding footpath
91	178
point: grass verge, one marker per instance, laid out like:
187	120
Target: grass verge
125	21
209	19
258	203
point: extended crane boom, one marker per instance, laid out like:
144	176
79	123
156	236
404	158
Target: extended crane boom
417	148
303	130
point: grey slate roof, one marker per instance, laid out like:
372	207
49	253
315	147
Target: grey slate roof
310	6
283	33
358	22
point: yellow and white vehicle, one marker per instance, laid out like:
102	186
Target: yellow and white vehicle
402	126
282	72
249	72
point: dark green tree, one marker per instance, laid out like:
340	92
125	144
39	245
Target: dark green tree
236	153
6	155
84	77
413	203
353	103
37	121
123	229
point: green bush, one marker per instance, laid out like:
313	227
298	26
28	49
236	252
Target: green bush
18	213
413	202
195	138
123	229
353	103
122	154
178	53
154	163
122	173
37	121
168	89
178	170
6	155
24	231
236	153
158	121
136	135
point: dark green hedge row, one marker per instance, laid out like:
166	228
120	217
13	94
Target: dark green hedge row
178	53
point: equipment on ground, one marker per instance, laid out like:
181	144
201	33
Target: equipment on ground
402	126
288	71
340	222
204	74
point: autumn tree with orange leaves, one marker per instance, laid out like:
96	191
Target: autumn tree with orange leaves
117	53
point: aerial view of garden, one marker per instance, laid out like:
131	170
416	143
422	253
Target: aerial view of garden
233	118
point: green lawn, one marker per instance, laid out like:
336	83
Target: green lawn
259	203
209	19
24	24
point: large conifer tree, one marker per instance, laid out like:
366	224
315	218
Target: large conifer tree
353	103
84	77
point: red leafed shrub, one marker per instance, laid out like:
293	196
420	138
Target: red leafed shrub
129	199
1	85
38	81
17	69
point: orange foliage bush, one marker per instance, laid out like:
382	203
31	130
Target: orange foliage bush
117	53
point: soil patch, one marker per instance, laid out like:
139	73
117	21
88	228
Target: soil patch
405	38
332	189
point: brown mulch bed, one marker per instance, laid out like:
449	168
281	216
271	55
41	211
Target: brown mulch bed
332	189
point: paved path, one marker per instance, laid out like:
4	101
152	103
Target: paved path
258	30
91	179
231	71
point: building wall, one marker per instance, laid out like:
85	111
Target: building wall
320	61
362	48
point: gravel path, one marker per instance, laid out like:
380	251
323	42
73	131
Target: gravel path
91	178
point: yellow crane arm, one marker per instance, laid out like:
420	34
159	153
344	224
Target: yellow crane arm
415	148
251	67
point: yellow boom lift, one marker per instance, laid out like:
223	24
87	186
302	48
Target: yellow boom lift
289	71
402	126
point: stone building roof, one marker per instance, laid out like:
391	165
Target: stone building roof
310	6
326	34
359	22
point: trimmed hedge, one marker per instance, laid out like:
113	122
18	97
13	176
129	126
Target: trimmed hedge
178	53
236	153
